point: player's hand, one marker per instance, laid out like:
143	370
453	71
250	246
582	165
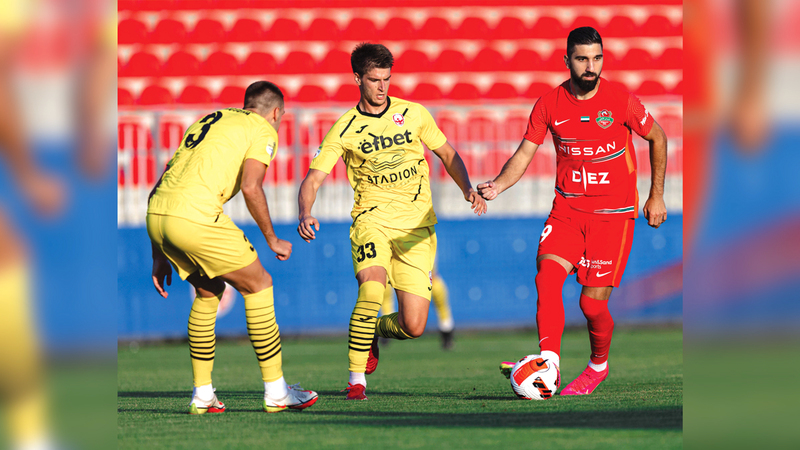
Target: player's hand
488	190
308	225
162	271
655	211
478	203
282	249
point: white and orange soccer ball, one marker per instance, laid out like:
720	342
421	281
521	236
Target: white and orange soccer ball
535	378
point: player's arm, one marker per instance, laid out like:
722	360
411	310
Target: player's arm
512	171
305	200
654	209
253	192
458	172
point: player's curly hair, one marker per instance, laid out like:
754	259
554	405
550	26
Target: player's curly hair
262	95
367	56
583	36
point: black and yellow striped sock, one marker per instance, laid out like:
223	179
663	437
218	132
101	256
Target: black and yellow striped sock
389	327
202	339
264	334
362	324
388	300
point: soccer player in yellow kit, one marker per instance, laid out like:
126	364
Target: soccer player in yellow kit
224	152
380	141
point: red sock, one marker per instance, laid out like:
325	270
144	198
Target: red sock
550	305
601	327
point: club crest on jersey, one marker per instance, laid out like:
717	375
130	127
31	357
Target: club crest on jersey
604	118
398	119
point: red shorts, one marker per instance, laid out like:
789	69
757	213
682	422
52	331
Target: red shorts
598	249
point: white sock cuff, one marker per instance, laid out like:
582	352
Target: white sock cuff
552	356
277	389
204	392
358	378
446	326
598	367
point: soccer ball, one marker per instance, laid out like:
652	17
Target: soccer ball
535	378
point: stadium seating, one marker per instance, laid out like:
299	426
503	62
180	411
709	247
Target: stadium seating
619	26
311	93
488	60
284	29
536	90
124	97
141	64
181	63
435	28
464	91
510	28
347	93
322	29
195	95
656	25
168	31
246	30
501	91
231	96
548	27
585	21
650	87
219	63
525	60
259	63
450	61
207	31
672	58
360	29
131	31
155	95
472	28
298	62
426	91
636	59
412	61
336	61
397	29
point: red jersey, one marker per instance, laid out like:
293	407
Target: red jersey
595	162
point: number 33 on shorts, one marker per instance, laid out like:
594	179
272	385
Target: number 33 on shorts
370	251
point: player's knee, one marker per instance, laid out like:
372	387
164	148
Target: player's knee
414	330
592	308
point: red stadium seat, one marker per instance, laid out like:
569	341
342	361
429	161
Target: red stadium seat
650	87
502	91
195	95
284	29
585	21
310	93
619	26
672	58
426	91
246	30
397	91
286	131
232	96
659	26
412	61
347	93
526	60
435	28
450	61
488	60
259	63
207	31
124	97
336	61
678	89
168	31
464	91
181	63
514	126
135	153
131	31
536	90
298	62
360	29
636	59
472	28
398	29
555	63
156	95
322	29
610	60
548	28
510	28
142	64
220	63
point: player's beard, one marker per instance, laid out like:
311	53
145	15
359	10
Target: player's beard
582	83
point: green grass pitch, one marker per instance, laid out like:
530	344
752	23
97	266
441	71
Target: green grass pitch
420	396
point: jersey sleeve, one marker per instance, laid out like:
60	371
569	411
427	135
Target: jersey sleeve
537	123
264	146
638	118
430	133
331	149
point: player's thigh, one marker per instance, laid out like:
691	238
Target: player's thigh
414	252
370	248
183	263
561	237
608	244
215	248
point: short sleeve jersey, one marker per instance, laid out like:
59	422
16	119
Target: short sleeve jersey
595	158
206	170
385	162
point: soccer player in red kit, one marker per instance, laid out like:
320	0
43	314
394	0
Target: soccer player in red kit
590	228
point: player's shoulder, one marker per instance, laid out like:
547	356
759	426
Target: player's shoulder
400	104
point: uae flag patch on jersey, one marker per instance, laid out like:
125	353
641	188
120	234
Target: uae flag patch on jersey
584	118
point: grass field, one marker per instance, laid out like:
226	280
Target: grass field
420	396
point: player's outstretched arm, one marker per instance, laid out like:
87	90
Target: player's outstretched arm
162	271
512	171
458	172
305	200
654	209
253	192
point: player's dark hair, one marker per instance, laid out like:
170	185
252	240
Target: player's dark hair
583	36
367	56
263	96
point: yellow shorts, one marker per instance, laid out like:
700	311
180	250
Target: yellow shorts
214	248
407	255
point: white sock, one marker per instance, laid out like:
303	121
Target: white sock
598	367
277	389
358	378
204	392
552	356
446	326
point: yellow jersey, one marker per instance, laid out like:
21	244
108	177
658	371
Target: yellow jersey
385	162
206	170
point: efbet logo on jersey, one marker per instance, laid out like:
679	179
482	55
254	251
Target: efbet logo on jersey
398	119
384	142
604	118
